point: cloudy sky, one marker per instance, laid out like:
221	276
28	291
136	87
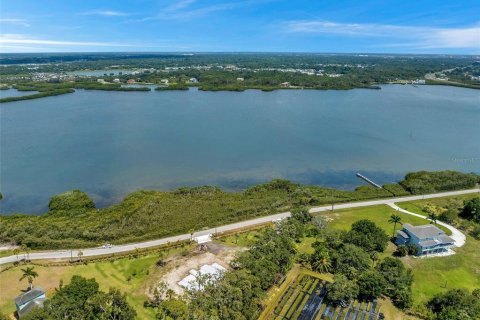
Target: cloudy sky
241	25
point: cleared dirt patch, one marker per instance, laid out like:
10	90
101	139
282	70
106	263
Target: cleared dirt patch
178	268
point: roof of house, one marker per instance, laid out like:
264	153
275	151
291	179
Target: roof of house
446	239
29	306
403	234
29	296
423	232
443	239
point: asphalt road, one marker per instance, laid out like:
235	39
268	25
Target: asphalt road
63	254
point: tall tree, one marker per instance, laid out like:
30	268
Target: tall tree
29	273
394	219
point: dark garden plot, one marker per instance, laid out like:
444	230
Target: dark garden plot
304	300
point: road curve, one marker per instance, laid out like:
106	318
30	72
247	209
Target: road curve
456	235
65	254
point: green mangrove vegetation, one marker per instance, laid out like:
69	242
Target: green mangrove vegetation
73	221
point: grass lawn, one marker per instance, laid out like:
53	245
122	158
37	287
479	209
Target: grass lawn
418	205
242	239
461	270
132	276
343	219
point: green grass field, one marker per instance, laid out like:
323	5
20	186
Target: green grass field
417	206
343	219
133	276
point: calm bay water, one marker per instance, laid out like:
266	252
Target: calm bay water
111	143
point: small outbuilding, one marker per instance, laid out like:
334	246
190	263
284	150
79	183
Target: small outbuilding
29	300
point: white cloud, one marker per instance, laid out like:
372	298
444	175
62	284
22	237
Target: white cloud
26	43
105	13
180	5
18	22
15	39
407	36
183	9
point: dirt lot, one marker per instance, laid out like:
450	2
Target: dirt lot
179	267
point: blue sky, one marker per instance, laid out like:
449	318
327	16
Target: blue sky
241	25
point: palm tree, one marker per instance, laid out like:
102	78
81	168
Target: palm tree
433	217
29	274
322	265
394	219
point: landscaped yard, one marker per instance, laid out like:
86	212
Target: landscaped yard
461	270
343	219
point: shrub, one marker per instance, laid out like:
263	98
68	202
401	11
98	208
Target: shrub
71	200
412	249
428	182
401	251
471	209
448	216
476	232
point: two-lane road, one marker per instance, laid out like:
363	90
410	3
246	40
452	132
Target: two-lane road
65	254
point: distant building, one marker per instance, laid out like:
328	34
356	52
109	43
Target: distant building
428	238
130	81
420	81
193	80
29	300
116	80
101	81
285	84
164	81
240	79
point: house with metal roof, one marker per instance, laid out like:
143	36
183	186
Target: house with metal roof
428	238
29	300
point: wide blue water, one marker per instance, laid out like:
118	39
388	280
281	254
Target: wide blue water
111	143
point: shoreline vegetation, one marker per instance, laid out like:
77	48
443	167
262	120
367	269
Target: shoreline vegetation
44	91
232	72
73	221
48	90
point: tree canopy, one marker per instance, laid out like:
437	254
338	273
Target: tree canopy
365	234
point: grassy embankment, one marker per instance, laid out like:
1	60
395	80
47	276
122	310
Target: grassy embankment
146	215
